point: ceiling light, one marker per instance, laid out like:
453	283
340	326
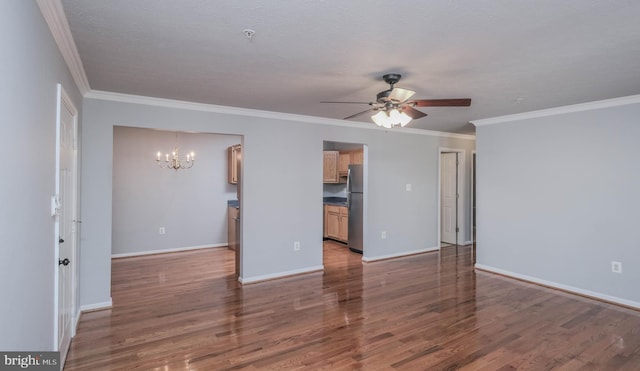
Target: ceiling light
391	118
174	161
382	119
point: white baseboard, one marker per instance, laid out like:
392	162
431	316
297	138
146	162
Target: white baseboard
559	286
96	306
177	249
271	276
76	322
399	255
467	243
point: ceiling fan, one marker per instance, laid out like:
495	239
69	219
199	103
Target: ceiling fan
394	108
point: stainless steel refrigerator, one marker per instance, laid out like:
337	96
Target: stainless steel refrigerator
355	202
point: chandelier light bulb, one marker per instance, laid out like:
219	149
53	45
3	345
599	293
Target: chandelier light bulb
175	162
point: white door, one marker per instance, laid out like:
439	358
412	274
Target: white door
448	195
67	216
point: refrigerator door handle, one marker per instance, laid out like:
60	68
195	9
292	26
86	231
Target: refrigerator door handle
348	189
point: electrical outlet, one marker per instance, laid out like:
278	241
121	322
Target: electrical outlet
383	235
616	267
161	230
296	246
408	187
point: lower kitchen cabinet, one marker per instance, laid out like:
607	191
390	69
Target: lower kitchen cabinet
232	214
336	222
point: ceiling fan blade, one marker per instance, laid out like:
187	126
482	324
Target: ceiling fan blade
369	103
413	113
359	113
457	102
400	95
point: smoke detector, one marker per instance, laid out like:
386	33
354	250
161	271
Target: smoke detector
249	33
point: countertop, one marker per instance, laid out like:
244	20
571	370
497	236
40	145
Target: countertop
337	201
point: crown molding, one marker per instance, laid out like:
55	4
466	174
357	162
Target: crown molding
614	102
53	14
171	103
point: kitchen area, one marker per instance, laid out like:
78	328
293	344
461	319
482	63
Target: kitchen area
343	194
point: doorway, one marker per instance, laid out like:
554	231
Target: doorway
343	197
156	209
66	223
451	200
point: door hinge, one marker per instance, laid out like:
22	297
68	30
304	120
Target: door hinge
457	195
457	229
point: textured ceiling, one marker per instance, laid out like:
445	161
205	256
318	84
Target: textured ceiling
508	56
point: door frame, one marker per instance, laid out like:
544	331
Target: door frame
62	98
473	205
460	215
347	146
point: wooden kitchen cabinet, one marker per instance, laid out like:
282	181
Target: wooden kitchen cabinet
344	161
343	230
330	167
233	157
232	214
356	157
347	158
336	222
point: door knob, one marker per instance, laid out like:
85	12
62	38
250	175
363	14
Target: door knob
65	262
60	240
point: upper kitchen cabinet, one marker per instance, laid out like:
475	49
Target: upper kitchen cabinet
348	158
343	163
233	156
330	167
357	157
336	165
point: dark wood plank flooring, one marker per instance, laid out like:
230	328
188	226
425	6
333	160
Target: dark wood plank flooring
185	311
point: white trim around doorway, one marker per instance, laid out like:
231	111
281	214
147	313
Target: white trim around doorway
461	190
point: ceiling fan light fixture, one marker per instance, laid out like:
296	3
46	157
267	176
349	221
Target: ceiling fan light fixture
391	118
394	116
393	108
404	119
381	119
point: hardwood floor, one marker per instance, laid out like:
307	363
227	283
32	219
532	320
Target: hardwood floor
185	311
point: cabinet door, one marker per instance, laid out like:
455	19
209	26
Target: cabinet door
231	228
233	153
330	167
344	224
333	224
357	157
344	161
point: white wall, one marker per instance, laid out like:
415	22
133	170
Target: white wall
558	200
191	205
31	68
282	185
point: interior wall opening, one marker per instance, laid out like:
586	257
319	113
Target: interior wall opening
161	210
344	194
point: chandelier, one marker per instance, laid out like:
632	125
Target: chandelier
173	160
390	116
